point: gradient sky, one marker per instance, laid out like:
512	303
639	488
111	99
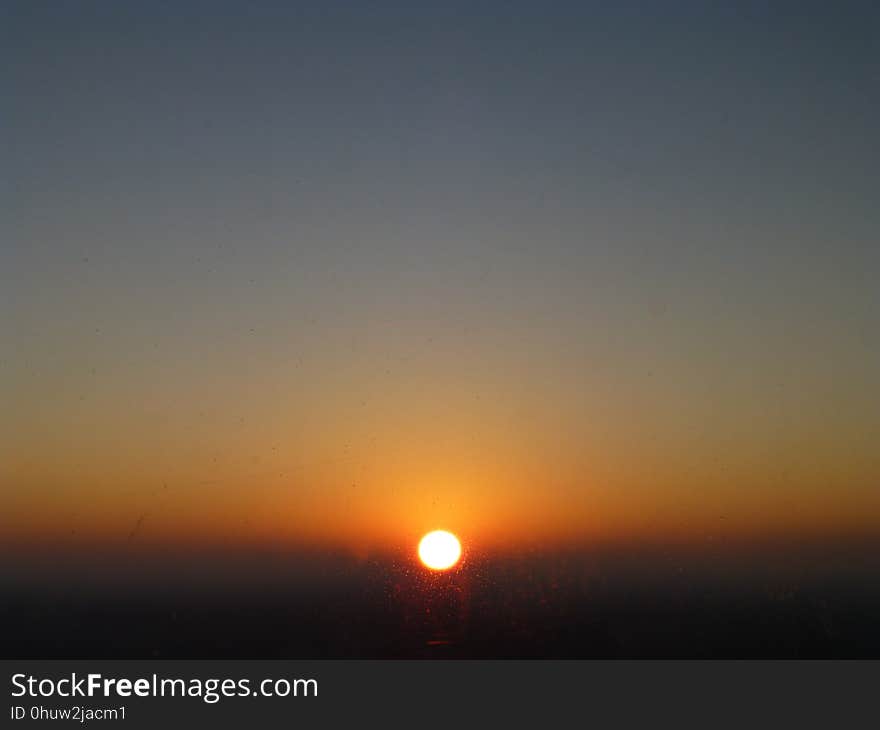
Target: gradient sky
345	272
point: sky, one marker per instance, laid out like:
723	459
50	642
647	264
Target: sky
340	273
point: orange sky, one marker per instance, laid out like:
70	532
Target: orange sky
342	450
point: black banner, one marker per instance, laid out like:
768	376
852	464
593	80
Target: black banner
151	694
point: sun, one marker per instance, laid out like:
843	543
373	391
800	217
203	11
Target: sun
439	550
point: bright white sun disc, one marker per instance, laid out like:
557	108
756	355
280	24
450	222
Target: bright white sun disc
439	550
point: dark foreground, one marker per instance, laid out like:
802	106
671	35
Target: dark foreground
818	601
